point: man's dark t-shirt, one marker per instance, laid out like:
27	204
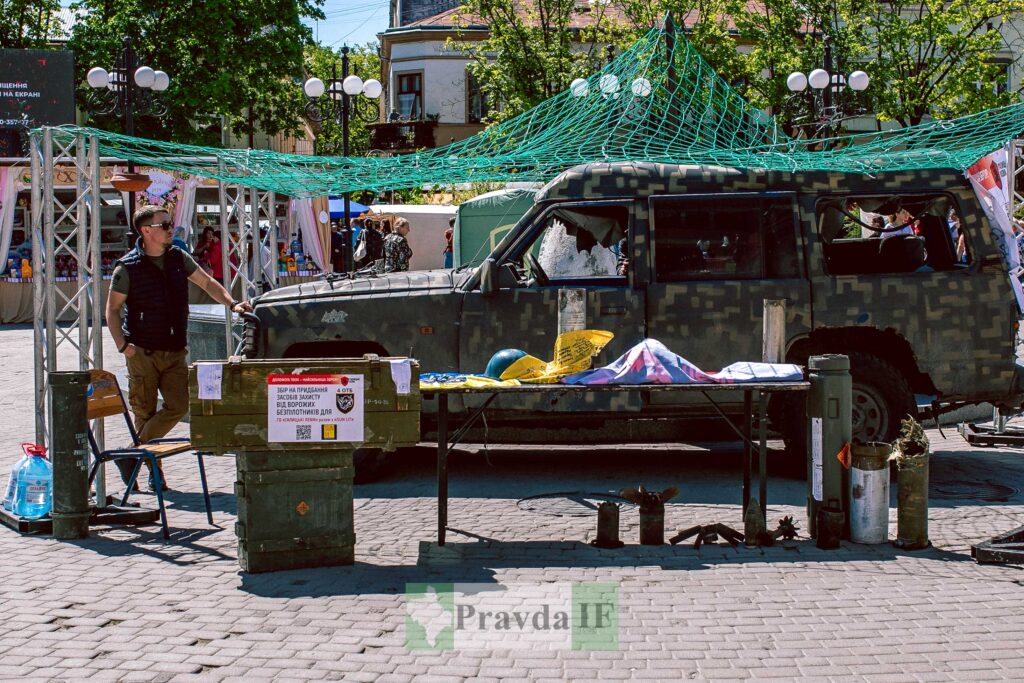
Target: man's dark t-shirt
119	280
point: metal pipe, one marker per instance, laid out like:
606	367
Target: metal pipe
96	259
70	454
222	195
773	346
49	268
38	291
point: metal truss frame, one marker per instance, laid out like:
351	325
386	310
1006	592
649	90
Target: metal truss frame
65	231
71	232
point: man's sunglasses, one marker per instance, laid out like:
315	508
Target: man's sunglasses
166	225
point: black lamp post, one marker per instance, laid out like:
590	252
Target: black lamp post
341	106
828	97
128	89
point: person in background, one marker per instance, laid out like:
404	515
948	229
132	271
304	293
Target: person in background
903	221
201	253
397	251
337	248
152	280
179	239
374	243
957	236
877	225
215	257
449	236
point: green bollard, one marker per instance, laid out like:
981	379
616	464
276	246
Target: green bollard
70	453
829	429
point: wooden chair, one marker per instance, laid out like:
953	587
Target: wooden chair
105	399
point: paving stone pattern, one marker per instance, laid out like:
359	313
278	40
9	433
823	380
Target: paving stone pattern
125	605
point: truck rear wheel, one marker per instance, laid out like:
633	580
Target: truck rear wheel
882	398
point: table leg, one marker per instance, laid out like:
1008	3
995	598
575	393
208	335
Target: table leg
762	438
442	466
748	454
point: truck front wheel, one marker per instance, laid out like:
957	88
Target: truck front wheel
370	464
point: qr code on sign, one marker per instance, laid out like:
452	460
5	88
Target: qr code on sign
303	432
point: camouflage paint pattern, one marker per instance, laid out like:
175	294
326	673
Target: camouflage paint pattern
950	332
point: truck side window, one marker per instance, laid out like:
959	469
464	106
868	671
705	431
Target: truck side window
873	235
716	238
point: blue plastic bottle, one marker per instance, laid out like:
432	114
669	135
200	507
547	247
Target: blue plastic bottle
12	485
34	494
12	480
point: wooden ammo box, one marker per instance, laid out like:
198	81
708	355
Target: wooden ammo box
293	425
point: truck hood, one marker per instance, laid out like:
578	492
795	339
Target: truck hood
382	285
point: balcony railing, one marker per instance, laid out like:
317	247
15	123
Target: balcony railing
402	136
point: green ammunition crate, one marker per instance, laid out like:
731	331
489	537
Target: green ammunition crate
294	509
295	491
239	419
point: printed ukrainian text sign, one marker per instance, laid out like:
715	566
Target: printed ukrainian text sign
314	408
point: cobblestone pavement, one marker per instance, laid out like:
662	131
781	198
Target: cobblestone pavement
126	605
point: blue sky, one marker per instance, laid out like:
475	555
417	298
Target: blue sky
351	22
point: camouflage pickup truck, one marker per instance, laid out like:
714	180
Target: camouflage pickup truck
921	301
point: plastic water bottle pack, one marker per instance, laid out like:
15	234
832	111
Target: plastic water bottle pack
30	487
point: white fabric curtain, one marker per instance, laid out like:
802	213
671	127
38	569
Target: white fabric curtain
185	210
9	188
302	209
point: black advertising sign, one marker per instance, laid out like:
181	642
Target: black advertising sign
36	88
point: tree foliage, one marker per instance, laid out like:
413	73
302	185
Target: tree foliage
933	58
28	24
937	57
534	50
236	59
325	63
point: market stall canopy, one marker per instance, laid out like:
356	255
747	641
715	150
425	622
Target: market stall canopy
658	101
337	209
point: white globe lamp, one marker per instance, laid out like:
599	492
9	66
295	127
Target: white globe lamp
314	88
145	77
372	88
579	87
98	77
161	81
796	82
818	79
352	85
859	80
641	87
609	84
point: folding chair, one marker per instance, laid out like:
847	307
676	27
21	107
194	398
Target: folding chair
105	399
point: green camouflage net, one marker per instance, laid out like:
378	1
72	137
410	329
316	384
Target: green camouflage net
658	101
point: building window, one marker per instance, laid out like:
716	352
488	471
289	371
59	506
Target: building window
476	99
410	96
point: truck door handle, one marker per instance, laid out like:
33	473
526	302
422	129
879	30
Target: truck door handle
613	310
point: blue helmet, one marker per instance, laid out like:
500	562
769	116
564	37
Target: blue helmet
501	361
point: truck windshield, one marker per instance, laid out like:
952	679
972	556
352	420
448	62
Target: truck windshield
582	241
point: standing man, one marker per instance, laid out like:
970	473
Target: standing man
397	251
152	279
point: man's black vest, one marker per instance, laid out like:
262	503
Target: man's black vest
157	307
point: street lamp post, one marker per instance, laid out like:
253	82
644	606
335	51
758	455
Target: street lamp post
125	90
342	108
828	89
